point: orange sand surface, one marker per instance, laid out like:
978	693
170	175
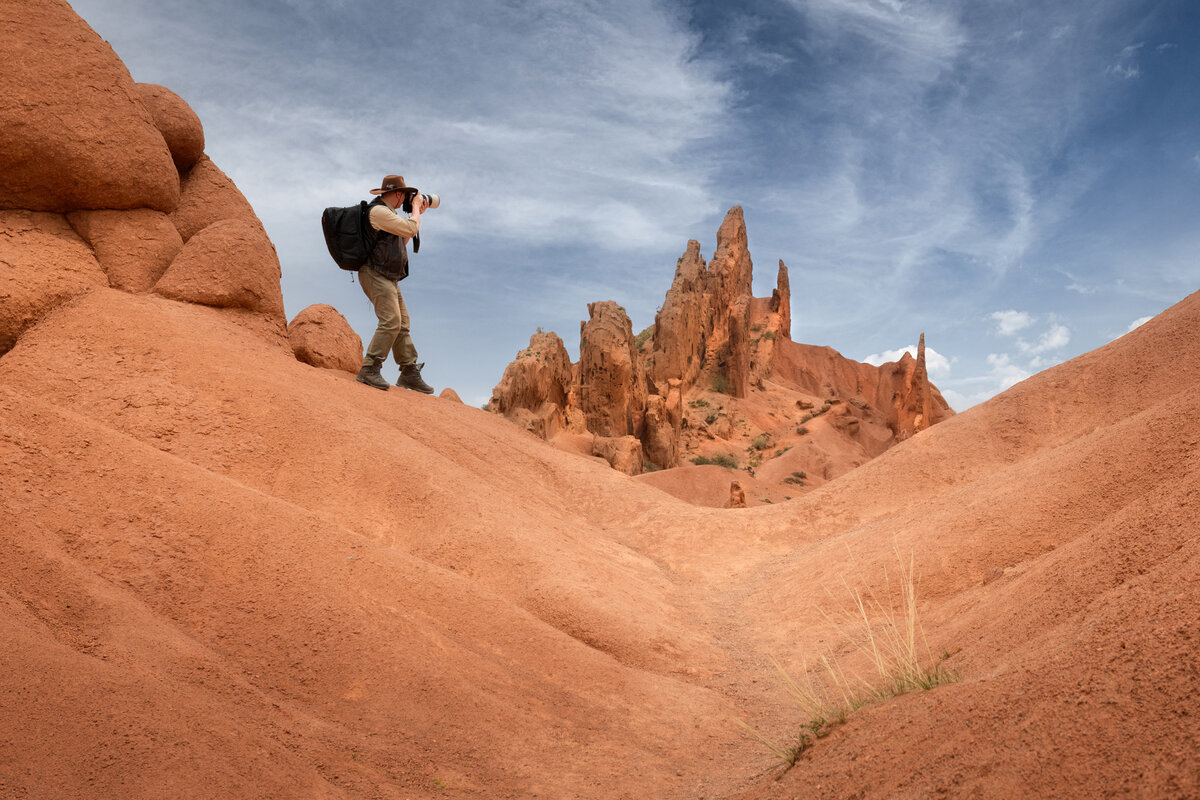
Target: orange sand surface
226	573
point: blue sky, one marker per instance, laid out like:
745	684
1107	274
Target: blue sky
1018	182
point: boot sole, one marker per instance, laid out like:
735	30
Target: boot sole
383	388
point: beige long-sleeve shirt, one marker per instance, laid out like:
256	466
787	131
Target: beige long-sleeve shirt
386	219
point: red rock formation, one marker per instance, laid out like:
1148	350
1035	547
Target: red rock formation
44	264
74	133
781	302
660	432
712	343
322	337
611	379
915	403
175	120
682	325
623	453
209	196
534	389
134	247
229	264
730	275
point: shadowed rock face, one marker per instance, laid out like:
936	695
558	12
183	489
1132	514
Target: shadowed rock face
678	385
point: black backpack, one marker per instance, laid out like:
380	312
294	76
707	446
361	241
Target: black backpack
348	235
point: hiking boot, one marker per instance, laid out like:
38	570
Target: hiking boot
410	378
369	375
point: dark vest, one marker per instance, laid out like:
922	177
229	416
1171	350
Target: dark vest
389	257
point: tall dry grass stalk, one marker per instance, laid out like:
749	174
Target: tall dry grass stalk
895	646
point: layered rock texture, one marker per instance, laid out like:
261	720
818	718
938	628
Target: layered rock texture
717	379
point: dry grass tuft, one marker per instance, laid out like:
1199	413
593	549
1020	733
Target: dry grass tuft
894	643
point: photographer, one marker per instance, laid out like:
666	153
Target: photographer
386	267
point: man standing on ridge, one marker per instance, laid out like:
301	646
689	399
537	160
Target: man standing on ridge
380	276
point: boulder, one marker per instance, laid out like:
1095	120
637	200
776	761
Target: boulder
209	196
74	133
623	453
229	264
737	495
611	379
540	374
133	247
44	263
321	337
175	120
450	394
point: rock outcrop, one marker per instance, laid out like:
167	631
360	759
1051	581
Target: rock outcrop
209	196
134	247
105	184
175	120
44	264
322	337
612	383
229	264
718	372
74	133
533	391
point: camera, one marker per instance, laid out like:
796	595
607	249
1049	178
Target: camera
431	201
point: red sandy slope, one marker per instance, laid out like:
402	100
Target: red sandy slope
227	574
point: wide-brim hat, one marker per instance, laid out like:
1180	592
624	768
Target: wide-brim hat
393	183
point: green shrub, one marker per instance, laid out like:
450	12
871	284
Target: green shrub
761	442
725	460
721	384
640	339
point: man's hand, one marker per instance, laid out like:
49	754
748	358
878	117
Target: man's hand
418	204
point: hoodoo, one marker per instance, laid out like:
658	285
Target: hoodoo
718	374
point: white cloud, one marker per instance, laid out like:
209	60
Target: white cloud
1139	322
936	364
1056	337
1009	322
1005	371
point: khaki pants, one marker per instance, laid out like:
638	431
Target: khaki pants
392	333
